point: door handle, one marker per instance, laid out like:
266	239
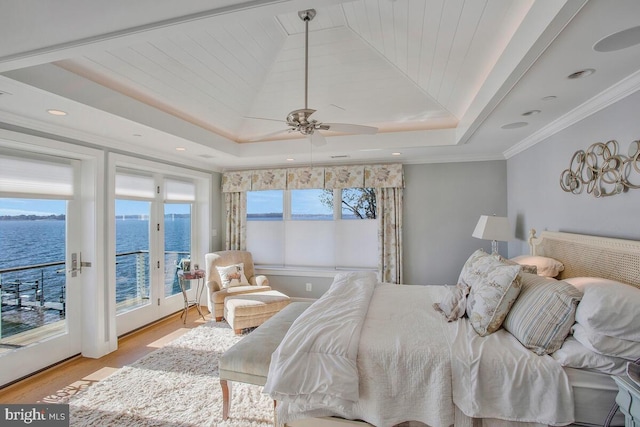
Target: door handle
77	264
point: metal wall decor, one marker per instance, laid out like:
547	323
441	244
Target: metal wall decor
602	170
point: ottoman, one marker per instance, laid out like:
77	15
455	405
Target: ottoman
250	310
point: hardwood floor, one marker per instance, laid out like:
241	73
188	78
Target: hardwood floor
69	377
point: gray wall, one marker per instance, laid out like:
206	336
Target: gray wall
442	204
536	200
295	286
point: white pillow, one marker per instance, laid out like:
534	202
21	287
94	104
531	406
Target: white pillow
608	307
232	275
604	344
454	304
546	266
574	355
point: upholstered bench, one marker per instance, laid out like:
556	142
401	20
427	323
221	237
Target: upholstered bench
248	360
249	310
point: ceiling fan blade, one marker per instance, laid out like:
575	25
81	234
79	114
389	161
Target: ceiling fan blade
317	139
348	128
269	135
263	118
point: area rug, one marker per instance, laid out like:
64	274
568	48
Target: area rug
176	385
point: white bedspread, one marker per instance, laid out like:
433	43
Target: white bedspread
496	377
411	365
402	348
315	368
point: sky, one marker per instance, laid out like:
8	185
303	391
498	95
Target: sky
270	201
32	207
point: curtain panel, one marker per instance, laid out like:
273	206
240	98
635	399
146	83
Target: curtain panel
236	225
329	177
389	213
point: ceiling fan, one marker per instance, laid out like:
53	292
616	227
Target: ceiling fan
299	120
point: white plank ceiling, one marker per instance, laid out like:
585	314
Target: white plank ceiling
211	76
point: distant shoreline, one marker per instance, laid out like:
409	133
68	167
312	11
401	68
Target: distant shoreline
31	217
62	217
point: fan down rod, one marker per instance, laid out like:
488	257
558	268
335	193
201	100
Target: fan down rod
306	16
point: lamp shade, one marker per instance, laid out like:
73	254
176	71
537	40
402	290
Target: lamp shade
493	228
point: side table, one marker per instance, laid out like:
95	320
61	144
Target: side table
183	277
628	399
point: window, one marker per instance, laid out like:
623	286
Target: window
311	230
132	254
358	203
179	197
265	205
33	241
32	265
312	205
177	245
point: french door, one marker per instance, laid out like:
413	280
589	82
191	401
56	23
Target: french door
42	221
154	223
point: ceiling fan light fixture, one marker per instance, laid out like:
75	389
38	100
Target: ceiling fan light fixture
299	117
298	120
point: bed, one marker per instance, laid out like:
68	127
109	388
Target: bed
382	354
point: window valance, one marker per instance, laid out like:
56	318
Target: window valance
355	176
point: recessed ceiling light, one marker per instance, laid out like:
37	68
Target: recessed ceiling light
57	112
582	73
618	41
531	112
396	154
290	159
514	125
181	149
549	98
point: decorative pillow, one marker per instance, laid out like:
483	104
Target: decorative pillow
604	344
574	355
232	275
542	316
547	267
494	288
608	307
467	275
454	304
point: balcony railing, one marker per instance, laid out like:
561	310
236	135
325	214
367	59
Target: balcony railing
35	295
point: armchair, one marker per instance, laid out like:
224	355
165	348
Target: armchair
215	291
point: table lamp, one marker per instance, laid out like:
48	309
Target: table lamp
494	228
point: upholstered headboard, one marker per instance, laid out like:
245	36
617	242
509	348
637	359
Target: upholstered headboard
590	256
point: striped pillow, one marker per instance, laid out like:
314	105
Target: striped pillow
543	314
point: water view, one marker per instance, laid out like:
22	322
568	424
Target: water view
32	265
